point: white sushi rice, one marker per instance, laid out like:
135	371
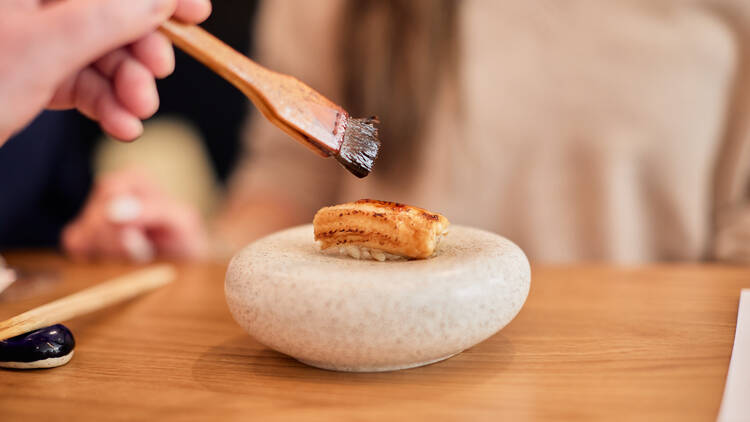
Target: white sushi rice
365	253
361	252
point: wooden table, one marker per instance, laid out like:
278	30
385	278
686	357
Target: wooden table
592	343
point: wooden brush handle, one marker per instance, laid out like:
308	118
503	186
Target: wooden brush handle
288	103
88	300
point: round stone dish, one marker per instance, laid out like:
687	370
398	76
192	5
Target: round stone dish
338	313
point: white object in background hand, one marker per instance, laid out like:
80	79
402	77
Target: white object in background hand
125	209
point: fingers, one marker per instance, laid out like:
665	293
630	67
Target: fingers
78	32
122	92
123	211
94	97
18	5
136	89
176	231
75	243
105	231
137	245
127	218
51	41
129	181
193	11
153	51
133	82
92	236
156	53
97	231
118	102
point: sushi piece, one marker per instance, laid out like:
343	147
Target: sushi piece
380	230
47	347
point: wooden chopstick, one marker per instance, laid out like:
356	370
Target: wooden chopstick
89	300
287	103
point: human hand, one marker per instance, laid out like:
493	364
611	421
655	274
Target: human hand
128	218
99	56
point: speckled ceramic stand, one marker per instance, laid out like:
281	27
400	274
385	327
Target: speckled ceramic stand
342	314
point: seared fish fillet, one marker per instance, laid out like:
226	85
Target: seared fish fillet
378	229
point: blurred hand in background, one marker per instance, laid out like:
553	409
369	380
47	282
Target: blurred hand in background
127	217
98	56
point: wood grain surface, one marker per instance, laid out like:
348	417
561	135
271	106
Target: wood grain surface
593	342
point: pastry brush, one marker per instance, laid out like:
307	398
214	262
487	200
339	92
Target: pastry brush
297	109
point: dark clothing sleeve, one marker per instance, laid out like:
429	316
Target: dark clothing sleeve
45	175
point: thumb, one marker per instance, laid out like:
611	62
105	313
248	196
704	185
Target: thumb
76	33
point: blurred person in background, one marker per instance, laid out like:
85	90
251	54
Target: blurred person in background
581	130
47	169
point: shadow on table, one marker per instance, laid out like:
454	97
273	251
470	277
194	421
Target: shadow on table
241	365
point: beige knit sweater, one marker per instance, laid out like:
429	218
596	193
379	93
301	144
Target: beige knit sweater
589	129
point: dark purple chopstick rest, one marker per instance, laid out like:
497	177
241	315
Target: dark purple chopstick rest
47	347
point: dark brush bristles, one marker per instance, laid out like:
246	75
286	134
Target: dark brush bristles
360	147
